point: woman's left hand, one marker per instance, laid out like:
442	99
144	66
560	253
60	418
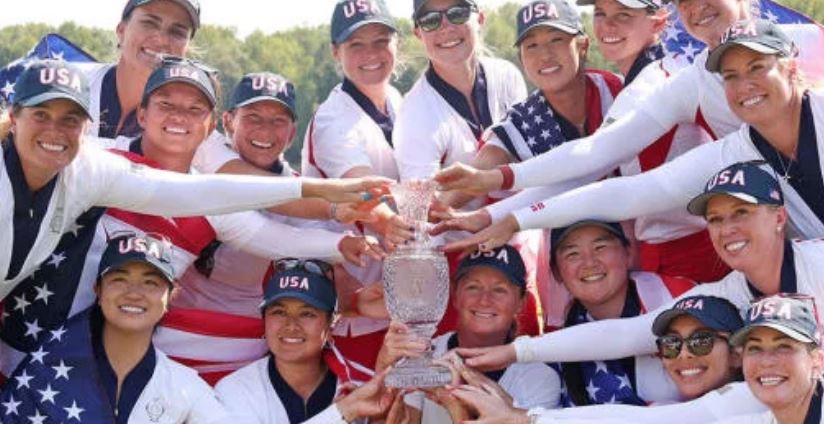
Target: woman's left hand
487	239
370	400
489	407
367	191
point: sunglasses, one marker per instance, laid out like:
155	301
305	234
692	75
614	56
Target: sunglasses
456	15
699	343
312	266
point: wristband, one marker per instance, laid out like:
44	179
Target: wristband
333	211
508	177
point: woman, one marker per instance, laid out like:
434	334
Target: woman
107	369
781	117
783	362
692	96
53	176
488	293
693	343
299	379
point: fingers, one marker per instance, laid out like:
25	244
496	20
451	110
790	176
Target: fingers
451	174
469	244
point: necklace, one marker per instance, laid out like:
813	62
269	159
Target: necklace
785	167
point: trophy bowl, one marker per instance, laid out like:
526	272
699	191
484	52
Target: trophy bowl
416	285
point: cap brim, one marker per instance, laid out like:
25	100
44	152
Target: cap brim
698	205
587	223
125	261
664	319
740	337
193	15
52	95
343	36
632	4
509	276
549	24
309	300
190	81
259	99
714	59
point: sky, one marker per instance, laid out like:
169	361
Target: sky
245	15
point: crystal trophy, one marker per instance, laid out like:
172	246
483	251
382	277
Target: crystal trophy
416	285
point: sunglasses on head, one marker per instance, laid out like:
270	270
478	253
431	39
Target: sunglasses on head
699	343
456	15
312	266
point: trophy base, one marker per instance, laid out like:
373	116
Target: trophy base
431	376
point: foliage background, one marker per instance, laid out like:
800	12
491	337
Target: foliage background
301	54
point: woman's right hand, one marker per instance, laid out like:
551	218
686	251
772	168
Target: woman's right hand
466	179
399	342
488	358
473	221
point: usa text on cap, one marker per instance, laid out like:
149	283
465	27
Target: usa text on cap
505	259
49	79
558	14
791	314
759	35
264	86
713	312
174	69
137	248
351	15
745	181
313	289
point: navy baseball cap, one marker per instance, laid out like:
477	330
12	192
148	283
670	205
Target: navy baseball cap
264	86
743	180
312	288
192	7
714	312
558	14
350	15
759	35
175	69
505	259
557	235
50	79
791	314
632	4
137	248
417	5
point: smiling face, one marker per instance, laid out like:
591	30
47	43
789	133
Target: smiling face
780	371
622	32
758	87
696	375
368	56
552	58
159	27
744	234
707	20
487	303
296	331
450	45
176	119
133	297
260	131
47	137
593	264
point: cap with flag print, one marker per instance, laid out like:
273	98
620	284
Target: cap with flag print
51	79
759	35
51	46
792	314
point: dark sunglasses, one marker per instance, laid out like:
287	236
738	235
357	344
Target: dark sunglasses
312	266
456	15
699	343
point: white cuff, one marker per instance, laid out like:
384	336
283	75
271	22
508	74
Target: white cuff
523	349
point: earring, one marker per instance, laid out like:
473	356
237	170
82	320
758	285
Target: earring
778	229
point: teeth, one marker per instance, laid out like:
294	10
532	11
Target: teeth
690	372
752	101
705	20
596	277
611	40
291	339
484	315
260	145
132	309
175	130
736	246
57	148
450	44
374	67
549	70
771	381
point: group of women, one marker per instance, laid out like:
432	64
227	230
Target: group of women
703	211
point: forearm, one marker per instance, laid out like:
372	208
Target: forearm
605	339
597	154
488	157
318	209
276	240
241	167
499	210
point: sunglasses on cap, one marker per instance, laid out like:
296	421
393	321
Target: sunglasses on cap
312	266
456	15
699	343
